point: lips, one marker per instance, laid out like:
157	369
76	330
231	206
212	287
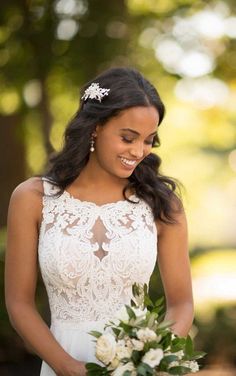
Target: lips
128	163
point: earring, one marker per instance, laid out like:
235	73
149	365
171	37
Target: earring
92	145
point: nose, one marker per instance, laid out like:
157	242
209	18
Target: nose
137	150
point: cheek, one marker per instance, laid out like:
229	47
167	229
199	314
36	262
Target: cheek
110	148
147	150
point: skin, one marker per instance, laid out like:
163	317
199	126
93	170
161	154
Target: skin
101	181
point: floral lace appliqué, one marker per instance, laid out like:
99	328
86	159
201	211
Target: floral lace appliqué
90	255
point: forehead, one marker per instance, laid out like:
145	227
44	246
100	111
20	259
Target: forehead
141	119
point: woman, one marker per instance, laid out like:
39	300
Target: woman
94	221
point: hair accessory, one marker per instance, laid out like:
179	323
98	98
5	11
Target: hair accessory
92	145
95	92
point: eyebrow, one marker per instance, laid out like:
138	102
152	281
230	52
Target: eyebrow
136	133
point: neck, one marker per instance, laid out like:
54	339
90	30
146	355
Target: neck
94	176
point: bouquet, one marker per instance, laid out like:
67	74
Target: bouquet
139	342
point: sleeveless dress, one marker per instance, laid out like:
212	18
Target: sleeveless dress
89	257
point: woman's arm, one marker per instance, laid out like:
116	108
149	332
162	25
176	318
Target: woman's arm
175	272
21	267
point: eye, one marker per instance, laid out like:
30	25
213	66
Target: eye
127	140
149	142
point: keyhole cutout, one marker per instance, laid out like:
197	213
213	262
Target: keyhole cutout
99	237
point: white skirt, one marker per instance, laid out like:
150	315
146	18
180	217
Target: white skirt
76	341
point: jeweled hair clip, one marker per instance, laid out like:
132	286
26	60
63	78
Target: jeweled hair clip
95	92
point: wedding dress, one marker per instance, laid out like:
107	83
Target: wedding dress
89	257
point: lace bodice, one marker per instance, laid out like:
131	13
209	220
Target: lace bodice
90	255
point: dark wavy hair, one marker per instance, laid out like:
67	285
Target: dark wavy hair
128	88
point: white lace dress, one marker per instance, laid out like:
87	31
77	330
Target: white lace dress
89	257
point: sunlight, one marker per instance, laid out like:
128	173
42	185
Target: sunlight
232	160
9	101
32	93
205	92
71	7
67	29
214	279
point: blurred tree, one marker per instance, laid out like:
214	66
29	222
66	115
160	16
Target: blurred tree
43	44
49	48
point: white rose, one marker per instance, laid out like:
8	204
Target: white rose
146	335
106	348
128	342
153	357
137	345
122	351
122	368
114	363
122	315
191	364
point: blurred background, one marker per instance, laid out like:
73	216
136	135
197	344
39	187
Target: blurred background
187	48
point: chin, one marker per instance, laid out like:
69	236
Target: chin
121	174
126	174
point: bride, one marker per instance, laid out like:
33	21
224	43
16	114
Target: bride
96	222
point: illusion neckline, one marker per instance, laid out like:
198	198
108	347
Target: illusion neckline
91	203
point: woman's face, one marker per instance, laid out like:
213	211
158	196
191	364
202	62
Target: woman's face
125	140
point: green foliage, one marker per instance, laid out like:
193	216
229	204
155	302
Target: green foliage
127	373
189	346
130	312
166	361
144	370
153	334
95	334
136	356
179	370
97	370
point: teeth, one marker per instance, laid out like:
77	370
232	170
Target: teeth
129	163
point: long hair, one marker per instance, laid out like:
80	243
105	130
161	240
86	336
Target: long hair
128	88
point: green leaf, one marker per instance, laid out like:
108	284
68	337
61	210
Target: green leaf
95	369
165	324
179	370
116	331
189	346
130	312
160	312
147	301
152	319
144	369
151	345
145	289
178	344
198	355
126	327
136	289
170	358
127	373
96	334
160	302
136	356
166	340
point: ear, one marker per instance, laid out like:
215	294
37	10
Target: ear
96	130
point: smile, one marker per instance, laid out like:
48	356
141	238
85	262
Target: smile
128	162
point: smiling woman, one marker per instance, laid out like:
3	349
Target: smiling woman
118	107
124	142
93	222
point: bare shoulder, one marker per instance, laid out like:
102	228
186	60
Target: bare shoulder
27	197
32	187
